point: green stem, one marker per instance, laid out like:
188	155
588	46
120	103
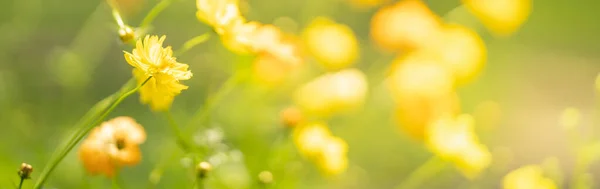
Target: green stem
192	43
83	129
162	5
115	13
433	166
203	112
181	141
21	182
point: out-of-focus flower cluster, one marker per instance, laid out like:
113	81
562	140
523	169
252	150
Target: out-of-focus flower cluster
112	145
435	58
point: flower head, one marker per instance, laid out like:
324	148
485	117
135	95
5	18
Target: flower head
333	45
113	144
333	92
406	25
454	139
502	17
150	59
334	158
315	142
528	177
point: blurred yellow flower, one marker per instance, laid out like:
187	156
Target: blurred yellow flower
311	138
423	90
315	142
502	17
417	74
334	158
365	4
570	118
333	45
291	116
461	50
149	58
111	145
222	15
528	177
454	139
406	25
413	114
333	92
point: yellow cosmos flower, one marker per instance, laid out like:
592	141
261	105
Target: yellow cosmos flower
406	25
112	145
502	17
315	142
149	58
460	50
528	177
333	92
334	158
333	45
220	14
310	139
454	139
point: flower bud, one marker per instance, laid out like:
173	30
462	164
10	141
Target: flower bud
265	177
25	171
126	34
203	168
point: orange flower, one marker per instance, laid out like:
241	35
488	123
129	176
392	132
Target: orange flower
112	145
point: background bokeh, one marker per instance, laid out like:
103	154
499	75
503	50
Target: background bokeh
57	58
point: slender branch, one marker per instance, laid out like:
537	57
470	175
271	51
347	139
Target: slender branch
192	43
162	5
21	182
78	135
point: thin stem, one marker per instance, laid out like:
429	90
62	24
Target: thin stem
162	5
203	112
78	135
433	166
115	13
192	43
21	182
176	131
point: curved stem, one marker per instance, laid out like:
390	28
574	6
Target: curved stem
433	166
77	136
192	43
162	5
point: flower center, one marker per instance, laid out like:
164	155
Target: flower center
120	143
